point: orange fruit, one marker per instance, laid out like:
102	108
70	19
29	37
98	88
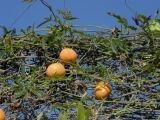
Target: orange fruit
55	70
68	55
102	90
100	83
2	115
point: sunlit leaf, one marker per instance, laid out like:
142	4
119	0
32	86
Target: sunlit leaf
63	116
8	44
2	71
40	115
81	112
154	26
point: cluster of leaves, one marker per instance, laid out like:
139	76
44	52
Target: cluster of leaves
128	61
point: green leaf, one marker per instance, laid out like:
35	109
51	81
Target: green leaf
40	115
8	44
63	116
118	45
37	92
143	18
83	114
45	21
154	26
132	27
2	71
120	19
67	15
5	30
156	14
20	94
113	47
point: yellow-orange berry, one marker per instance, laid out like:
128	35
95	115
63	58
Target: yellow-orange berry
55	70
68	55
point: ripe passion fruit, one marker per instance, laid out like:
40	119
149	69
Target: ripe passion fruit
2	115
68	55
102	90
55	70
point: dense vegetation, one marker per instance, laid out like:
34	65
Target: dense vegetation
127	58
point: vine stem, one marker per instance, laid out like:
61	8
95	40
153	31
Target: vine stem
100	27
